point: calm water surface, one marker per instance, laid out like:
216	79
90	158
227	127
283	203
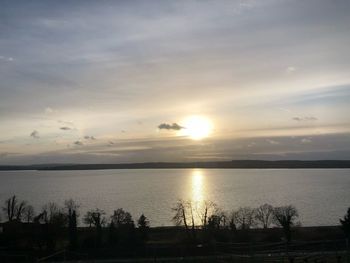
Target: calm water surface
321	196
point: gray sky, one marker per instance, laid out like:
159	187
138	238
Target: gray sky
92	81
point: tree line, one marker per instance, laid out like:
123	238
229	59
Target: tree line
211	217
54	218
122	228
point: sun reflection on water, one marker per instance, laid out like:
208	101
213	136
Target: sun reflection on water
198	193
197	186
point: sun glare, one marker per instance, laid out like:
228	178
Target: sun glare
196	127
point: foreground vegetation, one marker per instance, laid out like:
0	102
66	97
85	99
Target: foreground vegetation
201	230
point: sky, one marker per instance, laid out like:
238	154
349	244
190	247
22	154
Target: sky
118	81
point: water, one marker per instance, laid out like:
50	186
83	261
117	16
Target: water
321	196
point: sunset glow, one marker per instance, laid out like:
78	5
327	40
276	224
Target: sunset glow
197	127
134	81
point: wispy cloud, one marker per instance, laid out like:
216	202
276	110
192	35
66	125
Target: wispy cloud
291	69
78	143
35	134
306	140
65	128
87	137
69	123
5	154
7	59
166	126
307	118
49	110
273	142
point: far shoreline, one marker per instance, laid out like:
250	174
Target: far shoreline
234	164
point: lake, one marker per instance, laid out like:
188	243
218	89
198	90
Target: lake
321	196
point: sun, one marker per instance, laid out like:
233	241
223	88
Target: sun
196	127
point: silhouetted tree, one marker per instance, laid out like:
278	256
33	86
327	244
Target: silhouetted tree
29	213
112	234
345	224
72	214
213	230
73	230
143	226
217	221
14	209
54	214
88	219
243	218
180	217
205	210
70	205
143	222
264	215
232	222
121	218
97	219
285	217
184	215
124	225
55	220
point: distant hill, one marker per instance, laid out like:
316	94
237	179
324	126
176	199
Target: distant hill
234	164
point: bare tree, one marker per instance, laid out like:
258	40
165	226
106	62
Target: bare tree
180	217
50	211
95	218
72	212
264	215
208	209
184	215
53	215
243	218
121	218
29	213
217	220
70	205
14	209
285	217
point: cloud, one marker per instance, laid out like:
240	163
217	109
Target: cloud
307	118
8	154
79	143
35	134
251	144
166	126
306	140
67	125
5	154
310	118
65	122
8	59
290	69
86	137
272	142
49	110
